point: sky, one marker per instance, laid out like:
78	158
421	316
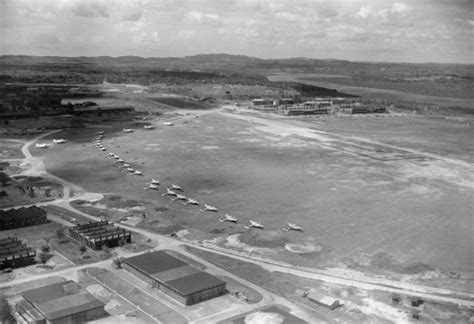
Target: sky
356	30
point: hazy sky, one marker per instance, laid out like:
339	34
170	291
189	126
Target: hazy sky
367	30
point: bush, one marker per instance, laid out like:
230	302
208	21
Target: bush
60	234
83	248
42	257
117	263
122	242
45	248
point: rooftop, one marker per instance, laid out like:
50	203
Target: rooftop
155	262
177	274
61	299
195	283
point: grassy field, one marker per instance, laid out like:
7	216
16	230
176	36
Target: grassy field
352	204
11	149
181	102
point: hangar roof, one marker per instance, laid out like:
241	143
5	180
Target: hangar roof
154	262
173	272
195	283
57	301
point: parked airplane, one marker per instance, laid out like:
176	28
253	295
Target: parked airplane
151	186
126	165
293	227
137	172
111	154
43	145
130	169
176	187
168	123
120	161
209	208
228	218
157	182
179	197
191	202
148	126
169	192
59	141
254	224
128	130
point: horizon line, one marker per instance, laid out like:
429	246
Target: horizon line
251	57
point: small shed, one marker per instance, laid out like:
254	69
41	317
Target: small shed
323	300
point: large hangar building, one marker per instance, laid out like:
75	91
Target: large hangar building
175	277
59	303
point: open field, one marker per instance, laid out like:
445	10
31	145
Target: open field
181	103
374	91
10	149
361	204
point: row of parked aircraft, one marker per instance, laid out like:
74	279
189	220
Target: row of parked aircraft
130	130
123	165
176	191
46	145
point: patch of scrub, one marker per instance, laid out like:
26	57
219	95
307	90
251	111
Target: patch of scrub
424	190
264	318
210	147
372	307
266	239
98	291
182	233
132	220
233	241
105	207
303	247
112	304
385	261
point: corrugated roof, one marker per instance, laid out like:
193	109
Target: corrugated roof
195	283
57	301
45	293
155	262
176	273
68	305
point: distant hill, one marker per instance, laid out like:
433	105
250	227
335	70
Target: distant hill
237	63
446	80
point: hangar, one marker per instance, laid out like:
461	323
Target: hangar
15	254
61	302
95	235
22	217
175	277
